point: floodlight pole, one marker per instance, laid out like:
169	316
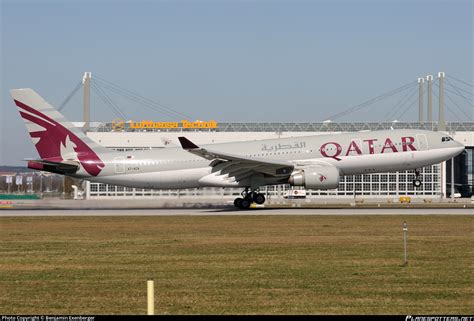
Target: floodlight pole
421	84
86	82
429	79
442	118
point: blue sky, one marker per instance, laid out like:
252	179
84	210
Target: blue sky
230	61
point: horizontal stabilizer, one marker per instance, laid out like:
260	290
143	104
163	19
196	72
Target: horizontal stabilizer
54	167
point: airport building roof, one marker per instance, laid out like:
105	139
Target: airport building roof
286	127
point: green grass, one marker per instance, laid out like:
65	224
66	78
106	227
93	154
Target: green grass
237	264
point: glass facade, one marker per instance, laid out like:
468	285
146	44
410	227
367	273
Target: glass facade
296	127
463	177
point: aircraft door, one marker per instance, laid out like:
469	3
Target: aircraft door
119	164
422	142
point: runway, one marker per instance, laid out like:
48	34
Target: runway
230	211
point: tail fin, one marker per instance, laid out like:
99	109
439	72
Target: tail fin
55	138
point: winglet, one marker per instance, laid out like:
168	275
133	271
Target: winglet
187	144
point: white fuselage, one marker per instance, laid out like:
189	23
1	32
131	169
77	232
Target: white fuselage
352	153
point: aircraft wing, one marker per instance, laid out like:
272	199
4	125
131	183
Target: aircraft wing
237	165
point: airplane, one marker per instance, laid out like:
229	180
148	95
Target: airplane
315	162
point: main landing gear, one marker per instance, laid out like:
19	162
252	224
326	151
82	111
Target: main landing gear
248	198
417	180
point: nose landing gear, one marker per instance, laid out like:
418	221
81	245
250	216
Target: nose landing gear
248	198
417	180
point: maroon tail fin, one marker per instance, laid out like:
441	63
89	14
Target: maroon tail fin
55	138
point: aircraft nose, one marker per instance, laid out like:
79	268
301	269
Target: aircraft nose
459	144
459	148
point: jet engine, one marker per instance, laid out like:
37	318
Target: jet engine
315	177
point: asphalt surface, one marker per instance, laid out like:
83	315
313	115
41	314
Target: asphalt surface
231	211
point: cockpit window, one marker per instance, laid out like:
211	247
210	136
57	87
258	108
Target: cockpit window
446	139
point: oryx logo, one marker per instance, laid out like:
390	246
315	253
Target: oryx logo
53	141
322	178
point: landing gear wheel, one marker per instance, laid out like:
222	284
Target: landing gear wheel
245	203
249	197
238	202
417	182
259	198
